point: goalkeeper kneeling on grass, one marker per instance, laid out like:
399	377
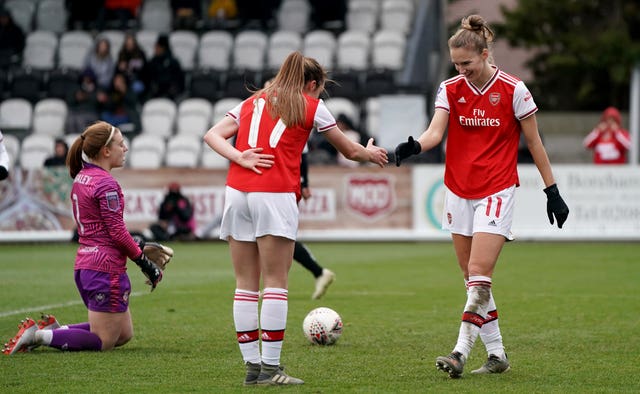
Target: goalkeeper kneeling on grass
105	244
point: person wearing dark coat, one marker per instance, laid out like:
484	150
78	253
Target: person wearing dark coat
164	73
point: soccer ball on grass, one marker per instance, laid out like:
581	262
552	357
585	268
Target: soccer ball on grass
322	326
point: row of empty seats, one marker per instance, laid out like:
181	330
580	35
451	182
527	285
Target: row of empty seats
50	15
156	15
372	15
157	146
365	15
220	50
160	116
146	151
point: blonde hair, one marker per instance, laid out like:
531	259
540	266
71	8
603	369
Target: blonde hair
283	94
90	142
474	33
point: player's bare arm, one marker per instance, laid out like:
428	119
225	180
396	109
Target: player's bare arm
435	132
354	151
218	139
538	152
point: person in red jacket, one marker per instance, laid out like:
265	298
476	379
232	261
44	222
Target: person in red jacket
609	141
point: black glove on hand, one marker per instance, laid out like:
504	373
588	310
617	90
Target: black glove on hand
150	270
3	173
556	205
140	241
406	149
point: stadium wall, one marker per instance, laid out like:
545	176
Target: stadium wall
362	204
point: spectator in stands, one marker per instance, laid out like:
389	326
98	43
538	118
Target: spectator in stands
12	40
258	15
222	11
83	14
83	107
100	62
186	14
175	217
119	104
123	13
4	159
346	125
132	62
59	157
328	14
164	73
609	140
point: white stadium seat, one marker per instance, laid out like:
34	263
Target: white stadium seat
194	117
183	150
320	45
36	148
50	116
147	152
158	117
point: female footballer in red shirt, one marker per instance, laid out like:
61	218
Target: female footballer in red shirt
260	217
485	110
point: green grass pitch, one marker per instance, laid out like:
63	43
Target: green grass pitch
568	314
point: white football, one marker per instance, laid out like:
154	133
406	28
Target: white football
322	326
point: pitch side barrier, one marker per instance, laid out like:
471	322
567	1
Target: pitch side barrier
362	204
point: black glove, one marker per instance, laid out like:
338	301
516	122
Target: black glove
3	173
139	240
406	149
150	270
556	205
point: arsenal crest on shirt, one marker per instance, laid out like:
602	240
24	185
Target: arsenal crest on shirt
494	98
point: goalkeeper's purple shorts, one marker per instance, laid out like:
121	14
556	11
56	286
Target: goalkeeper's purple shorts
102	291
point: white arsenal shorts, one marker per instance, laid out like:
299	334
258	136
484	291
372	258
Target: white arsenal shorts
492	214
250	215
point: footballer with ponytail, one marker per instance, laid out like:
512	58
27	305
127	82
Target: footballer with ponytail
100	270
260	215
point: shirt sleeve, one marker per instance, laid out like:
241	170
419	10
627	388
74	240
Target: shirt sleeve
234	112
442	101
523	104
111	201
323	119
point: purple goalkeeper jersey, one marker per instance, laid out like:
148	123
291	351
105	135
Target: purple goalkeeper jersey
98	206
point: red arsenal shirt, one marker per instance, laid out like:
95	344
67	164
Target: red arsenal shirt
258	129
483	132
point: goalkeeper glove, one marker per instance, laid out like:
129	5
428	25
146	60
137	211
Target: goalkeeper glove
406	149
556	205
150	270
139	240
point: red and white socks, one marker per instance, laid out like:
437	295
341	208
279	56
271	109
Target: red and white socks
269	328
475	312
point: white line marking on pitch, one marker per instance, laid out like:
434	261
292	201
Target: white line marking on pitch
42	308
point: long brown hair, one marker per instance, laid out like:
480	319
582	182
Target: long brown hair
284	97
474	33
92	139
